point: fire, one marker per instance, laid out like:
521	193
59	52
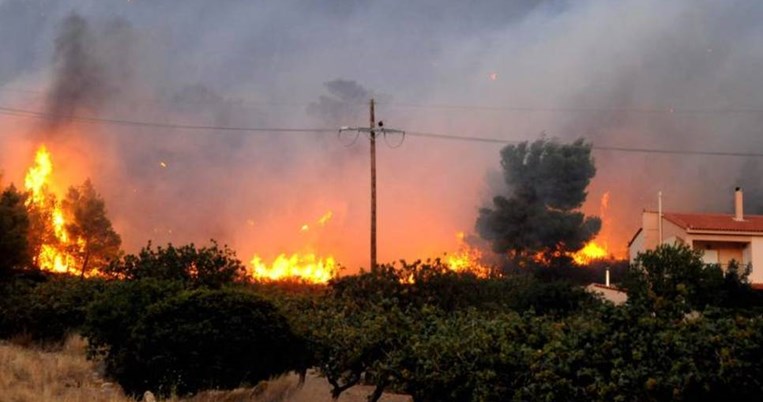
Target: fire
53	254
592	251
466	259
596	249
302	267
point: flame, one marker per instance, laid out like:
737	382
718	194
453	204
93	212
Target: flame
598	248
591	252
307	268
302	267
466	259
53	255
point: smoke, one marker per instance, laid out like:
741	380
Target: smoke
635	73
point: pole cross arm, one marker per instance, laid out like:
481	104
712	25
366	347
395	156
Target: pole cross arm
380	130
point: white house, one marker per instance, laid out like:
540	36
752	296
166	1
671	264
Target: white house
721	237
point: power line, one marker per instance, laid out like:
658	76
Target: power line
490	108
146	124
14	112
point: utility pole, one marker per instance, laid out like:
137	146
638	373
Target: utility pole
372	139
372	132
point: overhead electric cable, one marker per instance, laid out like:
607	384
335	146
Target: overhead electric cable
666	110
15	112
133	123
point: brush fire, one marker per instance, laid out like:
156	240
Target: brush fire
57	252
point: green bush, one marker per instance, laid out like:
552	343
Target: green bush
48	311
211	266
194	340
113	315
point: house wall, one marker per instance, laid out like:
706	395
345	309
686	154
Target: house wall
746	248
756	276
636	246
724	251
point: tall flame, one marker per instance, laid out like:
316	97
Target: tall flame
598	248
53	255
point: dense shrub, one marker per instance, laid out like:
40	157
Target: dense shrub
200	339
211	266
675	280
46	311
432	283
113	315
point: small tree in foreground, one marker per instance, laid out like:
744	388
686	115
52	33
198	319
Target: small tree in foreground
201	339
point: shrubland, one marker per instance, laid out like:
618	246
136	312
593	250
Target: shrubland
688	332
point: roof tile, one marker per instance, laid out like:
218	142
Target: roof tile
720	222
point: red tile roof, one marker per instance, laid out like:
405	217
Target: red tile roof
719	222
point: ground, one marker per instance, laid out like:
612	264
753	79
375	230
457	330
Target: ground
30	374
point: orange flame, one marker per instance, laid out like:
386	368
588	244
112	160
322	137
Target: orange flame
53	255
466	259
301	267
596	249
590	253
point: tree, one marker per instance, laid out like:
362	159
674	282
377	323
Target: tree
195	340
95	243
14	230
206	266
675	279
547	185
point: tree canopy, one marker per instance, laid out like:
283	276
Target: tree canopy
99	243
14	228
212	266
547	183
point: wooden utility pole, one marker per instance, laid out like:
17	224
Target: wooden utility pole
372	132
372	138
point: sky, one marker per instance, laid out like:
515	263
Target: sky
679	75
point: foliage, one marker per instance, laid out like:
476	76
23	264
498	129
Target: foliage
619	354
206	266
547	182
99	243
46	312
15	251
198	339
112	316
433	283
673	279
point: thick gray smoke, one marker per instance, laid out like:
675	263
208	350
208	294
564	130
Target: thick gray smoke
679	75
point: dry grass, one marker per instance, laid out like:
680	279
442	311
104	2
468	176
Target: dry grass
29	374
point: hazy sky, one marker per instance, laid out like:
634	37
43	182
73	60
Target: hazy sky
633	73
